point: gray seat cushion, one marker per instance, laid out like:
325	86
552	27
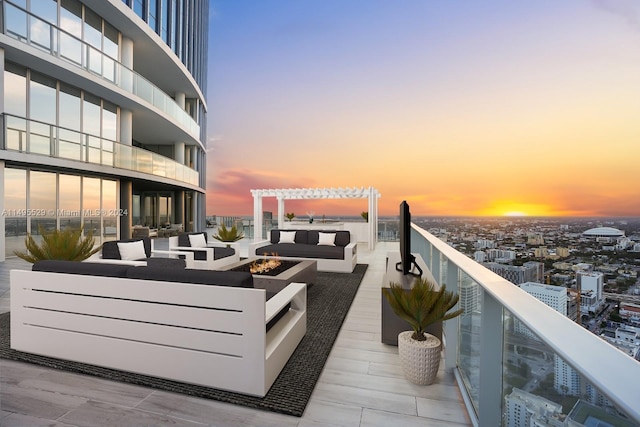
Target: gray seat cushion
77	267
110	249
301	236
201	277
183	239
302	251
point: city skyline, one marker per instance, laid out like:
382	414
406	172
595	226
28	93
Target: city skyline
461	108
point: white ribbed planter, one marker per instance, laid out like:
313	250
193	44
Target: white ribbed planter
419	360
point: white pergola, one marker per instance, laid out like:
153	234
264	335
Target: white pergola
283	194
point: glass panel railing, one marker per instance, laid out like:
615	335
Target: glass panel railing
545	369
28	28
538	382
469	342
35	137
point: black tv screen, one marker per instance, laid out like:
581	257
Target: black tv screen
407	261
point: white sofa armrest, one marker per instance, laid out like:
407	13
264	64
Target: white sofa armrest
253	246
294	293
188	256
350	250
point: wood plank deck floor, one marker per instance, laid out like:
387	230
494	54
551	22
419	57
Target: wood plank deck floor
361	385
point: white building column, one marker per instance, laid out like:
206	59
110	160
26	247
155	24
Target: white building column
126	127
179	152
2	85
126	59
180	99
2	217
194	158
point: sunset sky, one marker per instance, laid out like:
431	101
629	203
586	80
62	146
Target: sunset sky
459	107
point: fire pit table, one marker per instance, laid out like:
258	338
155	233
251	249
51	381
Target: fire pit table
301	272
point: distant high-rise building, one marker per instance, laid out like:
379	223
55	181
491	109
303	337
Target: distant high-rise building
535	239
562	252
479	256
469	296
529	272
485	244
501	255
591	285
553	296
525	410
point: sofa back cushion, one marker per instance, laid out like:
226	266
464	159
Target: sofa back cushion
343	237
110	249
301	236
237	279
77	267
184	241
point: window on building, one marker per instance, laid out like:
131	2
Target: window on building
15	202
138	8
164	26
153	15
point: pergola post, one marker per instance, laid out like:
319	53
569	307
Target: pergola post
373	218
280	212
257	215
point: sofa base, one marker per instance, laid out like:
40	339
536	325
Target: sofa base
208	335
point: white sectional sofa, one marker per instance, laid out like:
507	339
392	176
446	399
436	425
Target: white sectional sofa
332	250
137	319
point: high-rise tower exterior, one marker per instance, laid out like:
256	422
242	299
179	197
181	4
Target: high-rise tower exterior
103	116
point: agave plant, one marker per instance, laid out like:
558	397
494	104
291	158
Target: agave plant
422	305
228	235
290	216
67	244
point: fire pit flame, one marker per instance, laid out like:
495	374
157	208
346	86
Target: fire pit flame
263	265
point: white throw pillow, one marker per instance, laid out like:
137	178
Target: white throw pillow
287	237
132	251
197	240
327	239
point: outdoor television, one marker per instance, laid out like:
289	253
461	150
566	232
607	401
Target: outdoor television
407	261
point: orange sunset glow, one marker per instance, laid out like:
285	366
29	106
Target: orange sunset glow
509	108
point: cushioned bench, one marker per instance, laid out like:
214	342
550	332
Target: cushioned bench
207	255
332	250
136	252
210	328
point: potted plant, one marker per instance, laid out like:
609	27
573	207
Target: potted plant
421	306
365	216
228	235
290	216
67	244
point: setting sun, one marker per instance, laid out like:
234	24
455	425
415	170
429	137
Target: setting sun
515	213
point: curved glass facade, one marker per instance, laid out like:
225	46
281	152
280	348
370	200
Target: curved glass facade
86	140
183	25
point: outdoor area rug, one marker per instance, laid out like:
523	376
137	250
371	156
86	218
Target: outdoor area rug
328	301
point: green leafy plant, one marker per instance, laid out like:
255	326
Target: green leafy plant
290	216
365	216
228	234
422	305
67	244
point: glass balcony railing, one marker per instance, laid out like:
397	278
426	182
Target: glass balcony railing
515	357
30	136
29	29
